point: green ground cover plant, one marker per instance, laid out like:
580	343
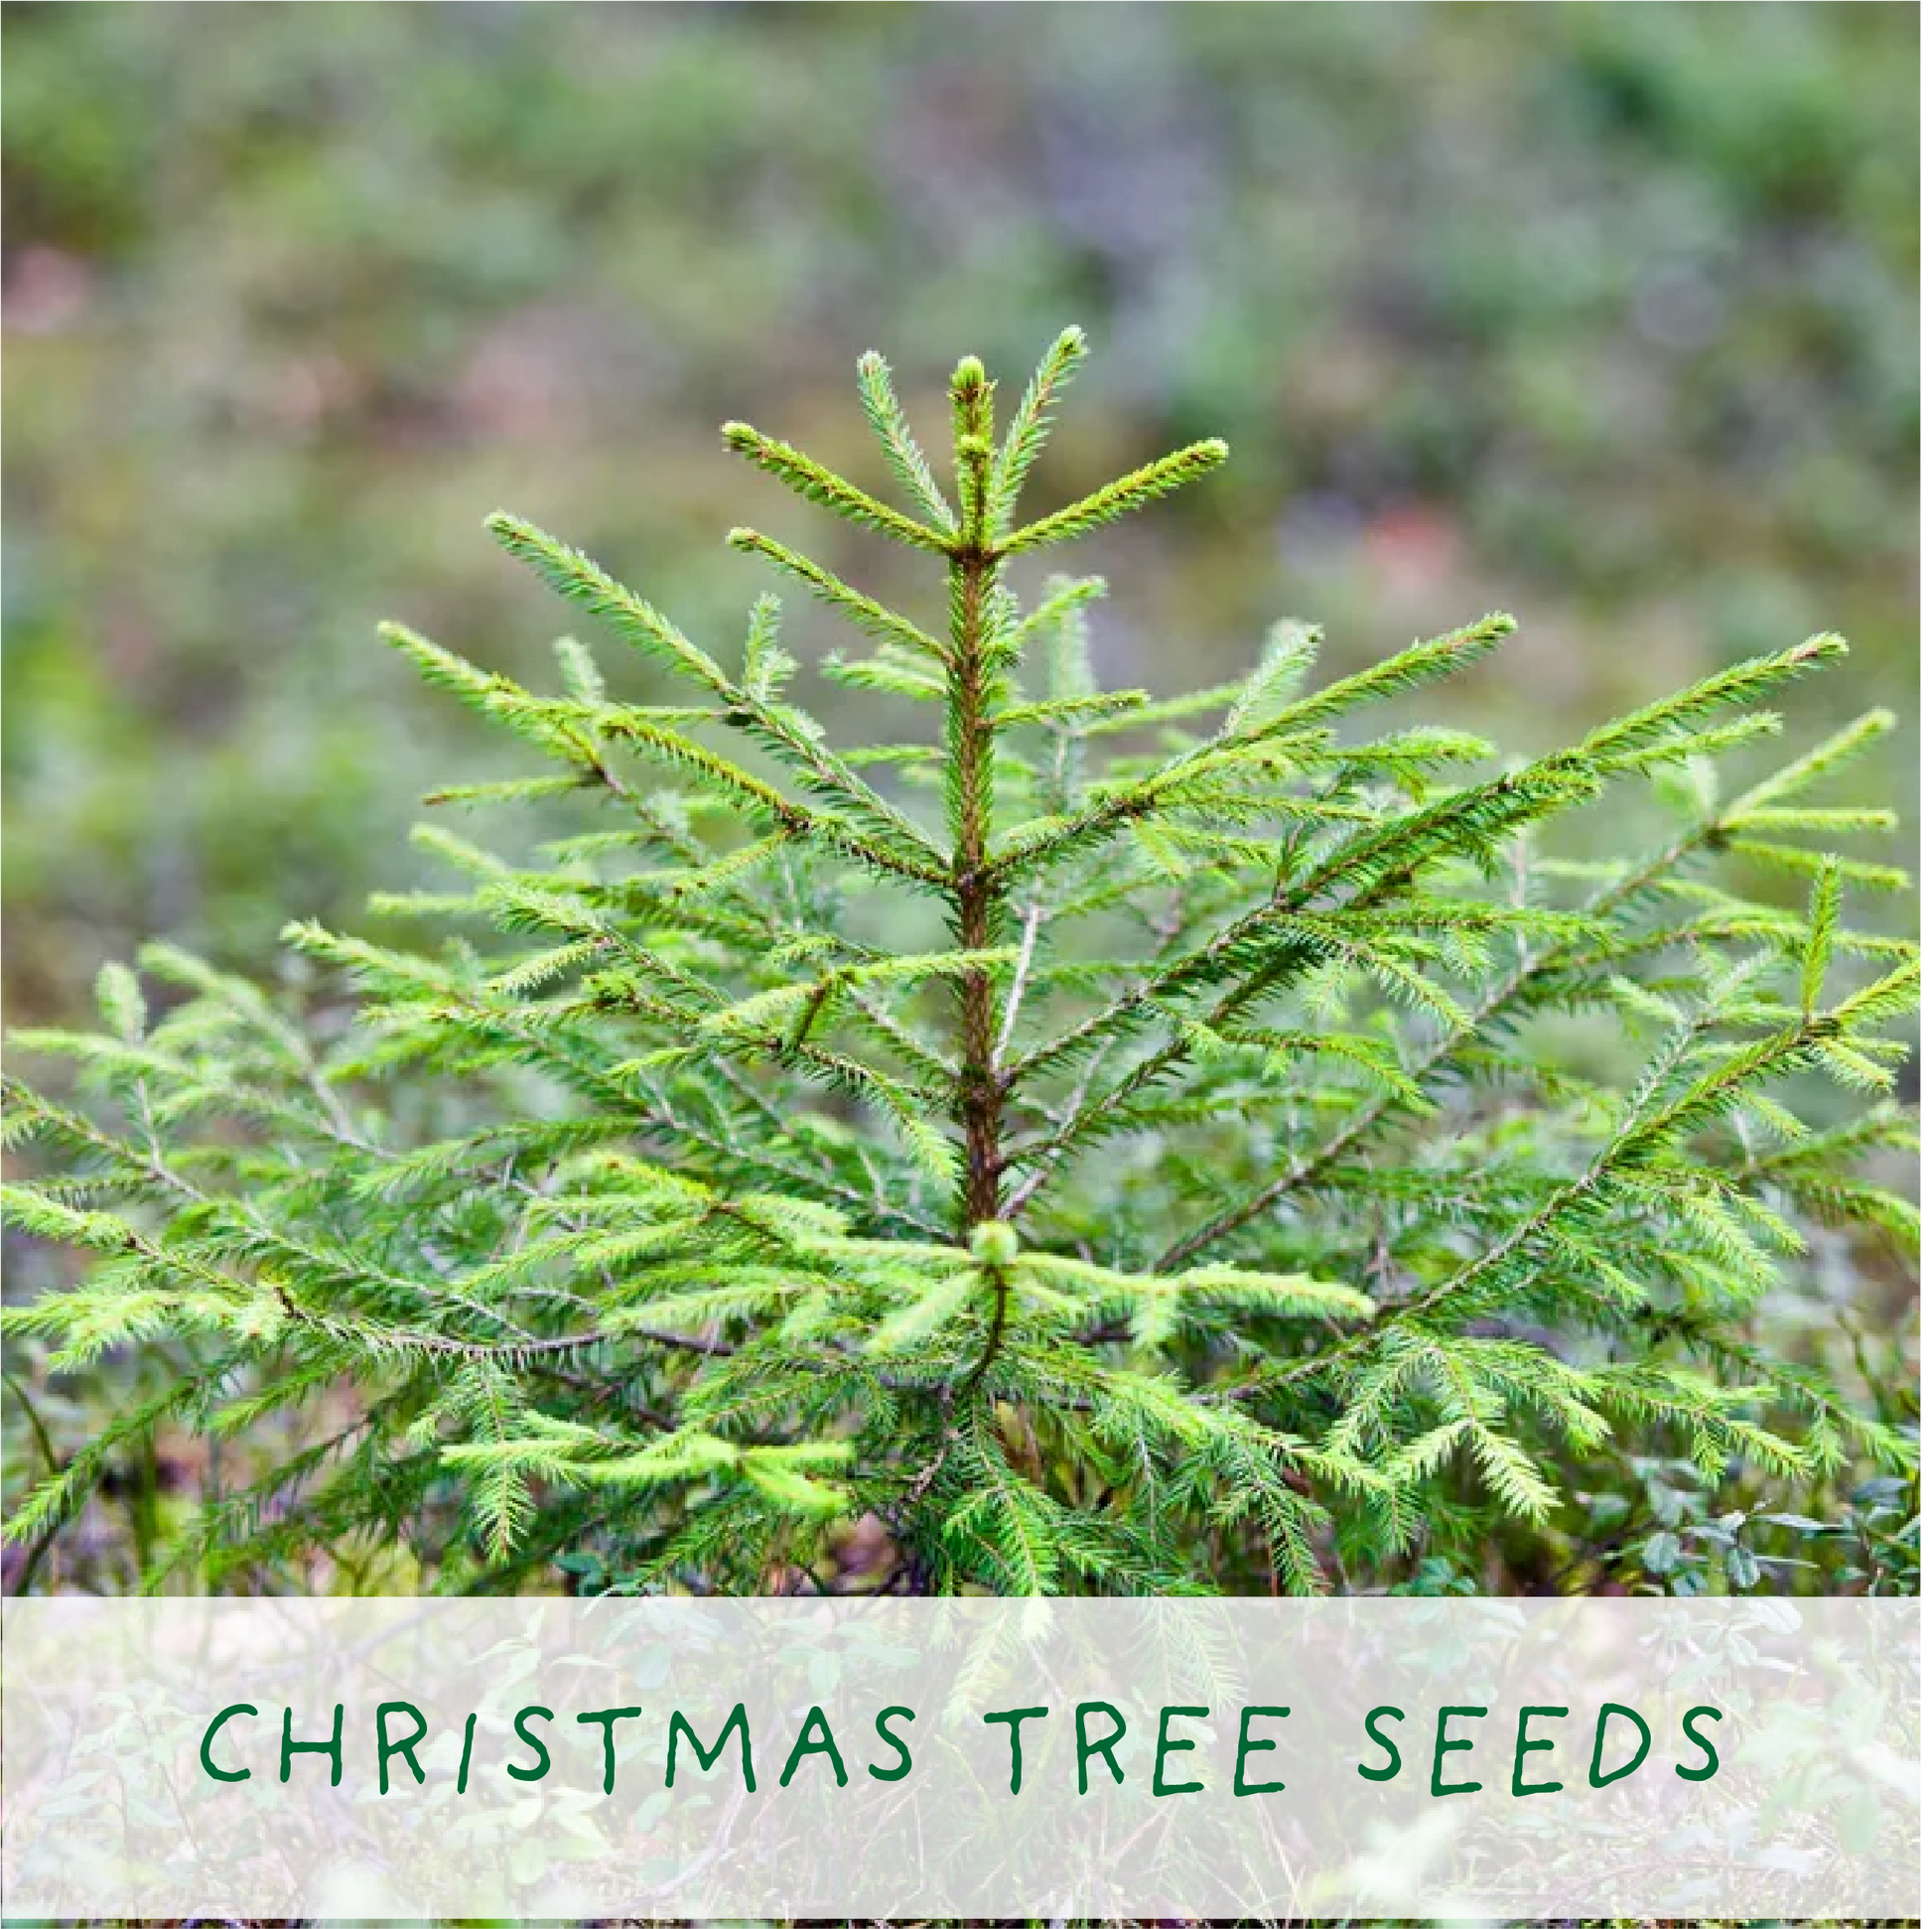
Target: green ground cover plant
1089	1144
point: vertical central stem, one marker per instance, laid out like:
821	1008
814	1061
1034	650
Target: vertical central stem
974	900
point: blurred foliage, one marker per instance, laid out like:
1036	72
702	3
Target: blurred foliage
1600	314
1603	314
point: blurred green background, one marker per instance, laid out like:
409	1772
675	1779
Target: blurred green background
1601	313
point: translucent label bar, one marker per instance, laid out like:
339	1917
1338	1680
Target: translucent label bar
917	1759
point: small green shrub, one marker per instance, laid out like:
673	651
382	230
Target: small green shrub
1116	1145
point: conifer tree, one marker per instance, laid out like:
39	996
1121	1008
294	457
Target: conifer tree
1117	1145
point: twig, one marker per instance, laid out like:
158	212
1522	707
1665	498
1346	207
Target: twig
1031	930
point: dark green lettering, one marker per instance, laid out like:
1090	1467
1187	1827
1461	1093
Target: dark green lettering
242	1774
532	1743
1444	1746
1164	1748
1012	1716
384	1748
708	1756
1709	1767
1383	1743
1524	1747
892	1741
1243	1748
332	1747
803	1748
1630	1767
1086	1749
607	1719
